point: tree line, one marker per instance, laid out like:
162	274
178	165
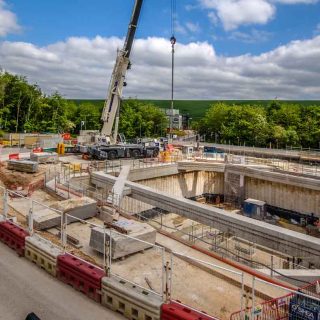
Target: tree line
25	108
280	124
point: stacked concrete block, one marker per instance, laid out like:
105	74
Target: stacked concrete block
43	253
23	166
131	301
123	245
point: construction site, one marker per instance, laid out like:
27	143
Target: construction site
166	228
153	223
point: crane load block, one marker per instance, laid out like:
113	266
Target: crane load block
177	311
81	275
13	236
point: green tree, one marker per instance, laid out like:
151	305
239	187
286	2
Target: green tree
138	119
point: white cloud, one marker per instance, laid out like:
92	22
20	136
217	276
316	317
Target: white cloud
213	18
235	13
8	20
254	36
193	27
296	1
81	68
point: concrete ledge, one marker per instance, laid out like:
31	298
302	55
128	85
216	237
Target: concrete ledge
153	172
293	275
201	166
283	178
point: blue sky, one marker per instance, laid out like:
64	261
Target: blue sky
260	49
45	22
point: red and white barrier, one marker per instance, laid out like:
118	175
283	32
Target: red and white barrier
13	236
81	275
177	311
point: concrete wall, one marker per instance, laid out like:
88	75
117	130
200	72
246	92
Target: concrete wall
284	196
188	184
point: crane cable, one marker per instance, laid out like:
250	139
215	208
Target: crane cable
173	16
173	41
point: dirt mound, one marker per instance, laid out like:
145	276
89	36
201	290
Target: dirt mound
14	179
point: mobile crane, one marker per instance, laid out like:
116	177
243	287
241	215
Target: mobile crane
109	144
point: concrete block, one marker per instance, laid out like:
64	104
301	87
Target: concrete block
44	157
121	244
131	301
83	208
43	253
23	166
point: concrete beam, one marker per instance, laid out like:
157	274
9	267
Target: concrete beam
278	177
274	237
201	166
153	172
253	171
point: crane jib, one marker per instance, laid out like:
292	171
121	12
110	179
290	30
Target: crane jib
112	96
132	27
110	114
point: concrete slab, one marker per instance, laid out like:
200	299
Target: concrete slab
82	208
123	245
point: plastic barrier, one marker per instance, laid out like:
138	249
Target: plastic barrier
177	311
14	156
61	148
81	275
131	301
37	150
13	236
43	253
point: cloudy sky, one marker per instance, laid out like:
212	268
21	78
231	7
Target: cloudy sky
227	49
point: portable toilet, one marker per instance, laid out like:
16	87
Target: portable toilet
254	208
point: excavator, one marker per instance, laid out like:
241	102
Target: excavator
109	144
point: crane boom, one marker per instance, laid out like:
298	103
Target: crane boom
110	114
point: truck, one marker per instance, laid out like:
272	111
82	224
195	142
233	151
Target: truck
109	144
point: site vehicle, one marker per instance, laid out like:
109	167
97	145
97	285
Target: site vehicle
108	144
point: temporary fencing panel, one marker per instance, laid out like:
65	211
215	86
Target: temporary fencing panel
13	236
130	300
177	311
293	306
81	275
275	309
43	253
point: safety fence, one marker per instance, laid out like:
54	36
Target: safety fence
226	245
150	281
103	285
303	304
